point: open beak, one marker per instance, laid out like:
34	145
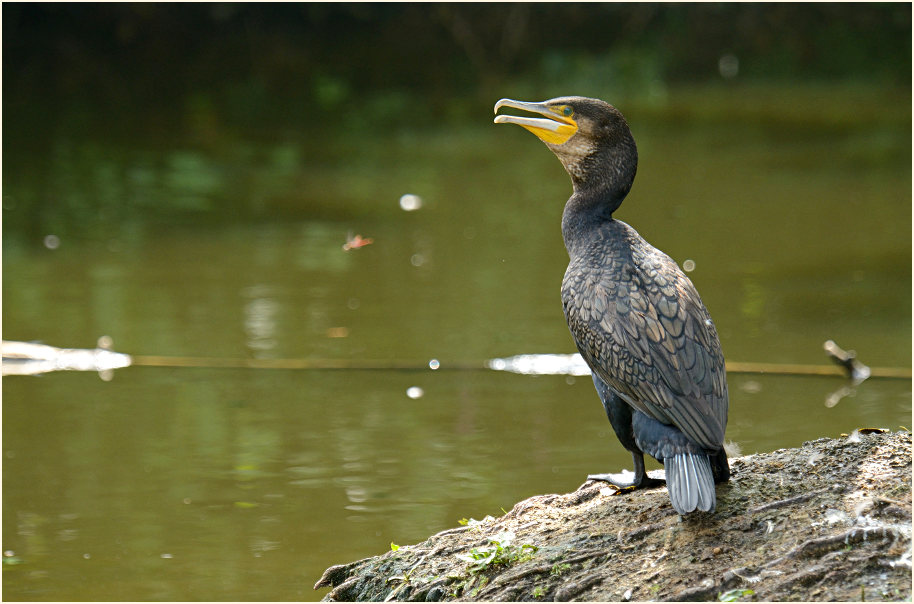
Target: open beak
555	129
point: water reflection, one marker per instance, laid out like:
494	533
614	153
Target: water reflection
260	319
259	479
542	364
843	392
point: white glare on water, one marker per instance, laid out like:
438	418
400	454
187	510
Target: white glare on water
410	202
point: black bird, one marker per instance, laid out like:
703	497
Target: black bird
635	317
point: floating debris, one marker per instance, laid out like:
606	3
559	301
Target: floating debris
751	387
542	364
856	370
27	358
410	202
354	242
414	392
434	364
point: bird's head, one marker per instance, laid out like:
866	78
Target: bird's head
589	136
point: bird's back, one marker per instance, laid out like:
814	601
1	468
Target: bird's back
641	326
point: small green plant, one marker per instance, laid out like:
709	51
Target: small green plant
559	569
735	594
473	523
404	580
500	551
483	581
538	592
394	547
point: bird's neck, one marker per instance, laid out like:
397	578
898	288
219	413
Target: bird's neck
601	181
585	212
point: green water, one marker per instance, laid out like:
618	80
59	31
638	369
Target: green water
243	484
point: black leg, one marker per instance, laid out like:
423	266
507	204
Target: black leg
626	481
620	416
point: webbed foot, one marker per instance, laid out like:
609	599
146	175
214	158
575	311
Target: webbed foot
628	481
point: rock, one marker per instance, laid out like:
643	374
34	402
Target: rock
784	529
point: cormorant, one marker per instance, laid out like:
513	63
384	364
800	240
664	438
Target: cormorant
635	317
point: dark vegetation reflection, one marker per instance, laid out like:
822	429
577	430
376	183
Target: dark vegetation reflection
182	178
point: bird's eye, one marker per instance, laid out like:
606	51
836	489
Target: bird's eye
567	111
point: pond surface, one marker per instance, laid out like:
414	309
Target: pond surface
188	483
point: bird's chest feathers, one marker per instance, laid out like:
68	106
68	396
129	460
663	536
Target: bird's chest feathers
617	297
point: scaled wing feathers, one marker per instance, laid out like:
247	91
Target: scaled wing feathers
648	336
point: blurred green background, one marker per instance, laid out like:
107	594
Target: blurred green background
219	77
182	178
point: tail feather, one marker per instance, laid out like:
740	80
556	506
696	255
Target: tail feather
690	482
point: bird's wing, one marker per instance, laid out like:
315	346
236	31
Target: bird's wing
639	323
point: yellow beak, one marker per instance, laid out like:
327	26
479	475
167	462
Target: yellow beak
556	130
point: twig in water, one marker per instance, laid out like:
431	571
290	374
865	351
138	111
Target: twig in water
856	370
